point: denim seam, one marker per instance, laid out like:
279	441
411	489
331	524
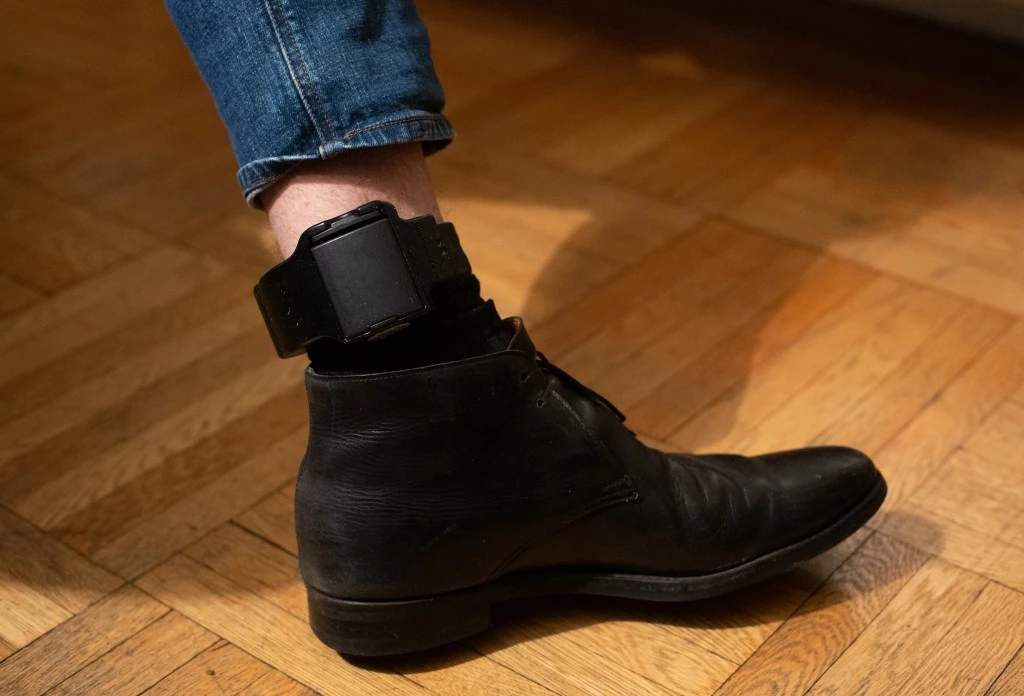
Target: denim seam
306	75
270	178
409	119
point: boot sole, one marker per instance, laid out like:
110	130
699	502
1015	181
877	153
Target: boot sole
375	628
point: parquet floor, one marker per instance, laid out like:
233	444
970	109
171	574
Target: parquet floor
752	224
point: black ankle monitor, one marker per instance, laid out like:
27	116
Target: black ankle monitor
356	277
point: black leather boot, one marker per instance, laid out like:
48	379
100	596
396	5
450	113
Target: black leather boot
429	494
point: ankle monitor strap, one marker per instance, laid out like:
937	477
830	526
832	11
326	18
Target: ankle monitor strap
356	277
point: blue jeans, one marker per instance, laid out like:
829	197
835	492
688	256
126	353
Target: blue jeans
298	80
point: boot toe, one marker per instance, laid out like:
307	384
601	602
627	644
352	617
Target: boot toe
819	485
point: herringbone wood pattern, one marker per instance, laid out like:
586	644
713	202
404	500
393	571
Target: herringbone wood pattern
752	226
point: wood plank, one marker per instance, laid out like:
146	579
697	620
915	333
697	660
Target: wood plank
141	661
945	271
52	255
964	206
242	239
477	50
262	629
565	245
536	277
685	388
15	295
274	520
462	672
94	428
155	539
84	312
221	670
275	684
960	545
759	394
685	647
977	649
642	281
952	415
190	161
921	377
631	353
726	156
882	200
859	370
980	493
187	471
642	647
828	121
77	642
888	652
998	439
558	126
86	63
254	565
485	188
31	559
126	387
26	614
559	664
149	332
1011	681
98	433
726	627
808	643
98	476
104	288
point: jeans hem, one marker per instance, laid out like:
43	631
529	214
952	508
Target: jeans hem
433	130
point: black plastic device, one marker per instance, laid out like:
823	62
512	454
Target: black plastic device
356	277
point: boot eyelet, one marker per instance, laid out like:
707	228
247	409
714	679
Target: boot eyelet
540	402
523	376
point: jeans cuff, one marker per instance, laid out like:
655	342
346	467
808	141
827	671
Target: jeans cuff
433	130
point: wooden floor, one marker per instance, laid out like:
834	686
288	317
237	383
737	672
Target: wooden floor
751	225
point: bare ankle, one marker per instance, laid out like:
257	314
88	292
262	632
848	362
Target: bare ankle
322	189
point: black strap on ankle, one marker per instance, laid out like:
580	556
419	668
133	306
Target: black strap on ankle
356	277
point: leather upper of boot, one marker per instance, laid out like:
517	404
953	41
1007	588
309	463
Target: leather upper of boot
438	478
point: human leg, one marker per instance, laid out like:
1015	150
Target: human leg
299	81
315	191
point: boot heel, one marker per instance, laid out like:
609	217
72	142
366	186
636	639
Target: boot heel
370	628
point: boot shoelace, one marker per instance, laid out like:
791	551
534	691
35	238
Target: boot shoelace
550	368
